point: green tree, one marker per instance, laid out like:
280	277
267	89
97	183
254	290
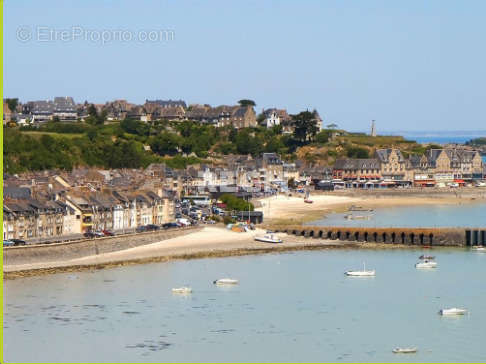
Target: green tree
305	126
246	102
165	144
12	104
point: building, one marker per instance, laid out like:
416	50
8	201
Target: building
64	108
357	169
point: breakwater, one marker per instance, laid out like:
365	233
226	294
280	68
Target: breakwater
43	253
409	236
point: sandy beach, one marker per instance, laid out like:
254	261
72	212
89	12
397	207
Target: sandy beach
217	241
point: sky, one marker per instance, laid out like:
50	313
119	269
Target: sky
409	65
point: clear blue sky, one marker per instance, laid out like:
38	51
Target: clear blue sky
411	65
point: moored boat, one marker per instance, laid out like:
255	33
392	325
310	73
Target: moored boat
224	281
479	248
361	273
268	238
452	311
427	257
182	290
426	264
404	350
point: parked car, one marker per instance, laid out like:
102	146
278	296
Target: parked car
170	225
108	233
18	242
89	235
99	234
140	229
152	227
8	243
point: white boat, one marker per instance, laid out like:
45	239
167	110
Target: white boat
479	248
361	273
452	311
182	290
268	238
224	281
405	350
426	264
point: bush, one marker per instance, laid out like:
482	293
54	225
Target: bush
235	203
228	220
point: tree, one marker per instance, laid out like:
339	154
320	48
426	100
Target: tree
323	137
56	119
246	102
357	152
305	126
332	126
12	104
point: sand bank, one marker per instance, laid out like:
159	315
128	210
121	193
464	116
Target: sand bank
209	242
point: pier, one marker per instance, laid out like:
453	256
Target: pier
408	236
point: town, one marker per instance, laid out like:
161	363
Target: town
56	204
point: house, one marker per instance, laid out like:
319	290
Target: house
168	103
393	165
64	108
357	169
40	111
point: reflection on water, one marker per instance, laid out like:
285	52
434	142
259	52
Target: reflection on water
466	214
288	307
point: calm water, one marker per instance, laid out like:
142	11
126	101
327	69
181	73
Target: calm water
288	307
467	214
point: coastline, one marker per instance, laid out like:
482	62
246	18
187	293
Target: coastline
217	241
227	244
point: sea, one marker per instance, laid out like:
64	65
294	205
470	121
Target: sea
438	137
287	307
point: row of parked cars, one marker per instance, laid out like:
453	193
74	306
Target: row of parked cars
13	242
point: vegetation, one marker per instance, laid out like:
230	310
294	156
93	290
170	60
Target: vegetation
131	143
235	203
477	142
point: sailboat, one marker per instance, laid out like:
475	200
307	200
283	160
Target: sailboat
361	273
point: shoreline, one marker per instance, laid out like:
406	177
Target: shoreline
226	244
284	210
217	241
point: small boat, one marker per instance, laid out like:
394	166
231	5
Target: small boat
357	217
361	273
182	290
404	350
426	264
358	208
452	311
268	238
224	281
308	201
426	257
479	248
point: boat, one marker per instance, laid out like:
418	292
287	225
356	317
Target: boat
182	290
404	350
359	208
452	311
224	281
479	248
361	273
268	238
426	257
357	217
426	264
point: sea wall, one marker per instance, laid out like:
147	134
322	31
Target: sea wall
408	236
83	248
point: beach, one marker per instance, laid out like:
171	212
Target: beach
218	241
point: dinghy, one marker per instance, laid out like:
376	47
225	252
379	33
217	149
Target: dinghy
361	273
268	238
224	281
452	311
182	290
405	350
